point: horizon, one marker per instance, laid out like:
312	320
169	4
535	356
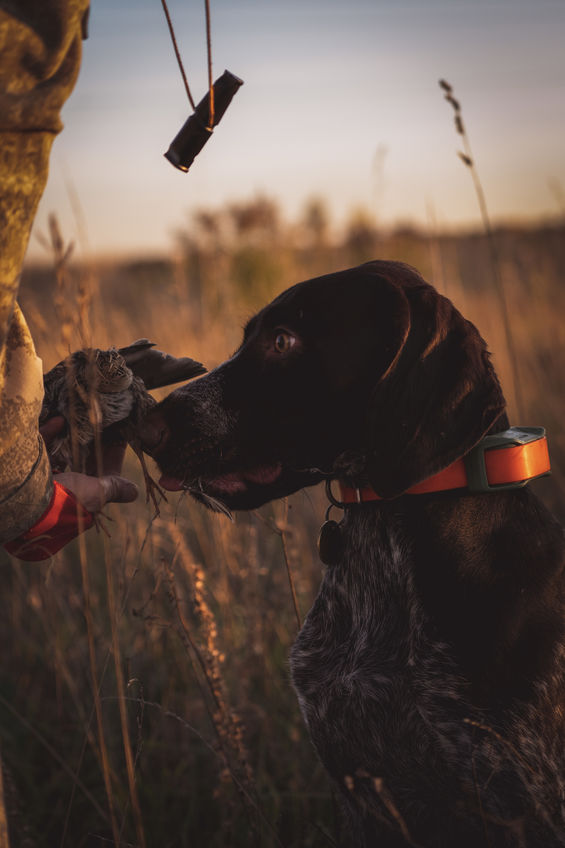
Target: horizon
336	239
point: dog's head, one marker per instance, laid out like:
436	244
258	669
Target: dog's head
367	374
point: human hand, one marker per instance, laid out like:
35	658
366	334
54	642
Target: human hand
91	491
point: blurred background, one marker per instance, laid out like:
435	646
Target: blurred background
340	101
339	148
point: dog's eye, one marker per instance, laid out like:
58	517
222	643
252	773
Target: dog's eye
284	342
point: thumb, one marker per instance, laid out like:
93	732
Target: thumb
117	489
94	492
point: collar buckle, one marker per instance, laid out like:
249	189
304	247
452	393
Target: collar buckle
475	464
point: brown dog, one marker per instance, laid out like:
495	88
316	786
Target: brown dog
430	668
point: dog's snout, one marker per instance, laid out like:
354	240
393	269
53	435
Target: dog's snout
154	432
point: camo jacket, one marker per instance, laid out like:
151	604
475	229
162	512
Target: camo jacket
40	51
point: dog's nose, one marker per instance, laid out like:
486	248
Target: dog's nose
154	432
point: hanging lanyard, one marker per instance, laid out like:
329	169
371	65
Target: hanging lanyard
199	126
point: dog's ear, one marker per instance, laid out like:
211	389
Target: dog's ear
437	399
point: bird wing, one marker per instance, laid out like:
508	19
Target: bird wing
157	368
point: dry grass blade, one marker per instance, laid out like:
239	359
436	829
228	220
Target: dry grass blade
280	529
64	306
388	801
282	533
113	612
226	722
468	160
58	759
96	689
208	656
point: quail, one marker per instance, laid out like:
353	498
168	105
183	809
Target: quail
103	395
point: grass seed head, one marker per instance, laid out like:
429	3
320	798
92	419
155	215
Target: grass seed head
466	159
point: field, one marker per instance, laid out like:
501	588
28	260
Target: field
144	688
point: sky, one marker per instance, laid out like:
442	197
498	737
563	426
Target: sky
340	101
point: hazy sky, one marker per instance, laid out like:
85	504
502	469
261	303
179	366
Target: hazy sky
340	100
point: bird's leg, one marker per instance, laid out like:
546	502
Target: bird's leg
151	487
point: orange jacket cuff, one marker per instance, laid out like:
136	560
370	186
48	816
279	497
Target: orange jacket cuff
63	520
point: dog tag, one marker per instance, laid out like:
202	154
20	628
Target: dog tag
330	542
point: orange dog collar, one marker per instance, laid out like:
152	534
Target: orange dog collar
507	460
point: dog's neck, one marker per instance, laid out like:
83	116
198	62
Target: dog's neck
472	562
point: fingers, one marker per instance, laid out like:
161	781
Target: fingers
52	428
94	492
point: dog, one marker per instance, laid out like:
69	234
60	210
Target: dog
429	670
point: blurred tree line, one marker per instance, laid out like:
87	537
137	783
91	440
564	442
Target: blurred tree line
246	251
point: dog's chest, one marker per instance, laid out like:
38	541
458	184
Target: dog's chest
366	674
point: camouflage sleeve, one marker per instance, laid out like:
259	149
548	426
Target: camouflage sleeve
40	49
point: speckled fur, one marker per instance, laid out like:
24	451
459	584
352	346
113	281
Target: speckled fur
390	712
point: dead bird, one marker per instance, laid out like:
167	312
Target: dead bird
103	397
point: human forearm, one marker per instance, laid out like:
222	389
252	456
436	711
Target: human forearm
39	61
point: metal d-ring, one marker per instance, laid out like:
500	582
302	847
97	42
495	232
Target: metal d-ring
330	496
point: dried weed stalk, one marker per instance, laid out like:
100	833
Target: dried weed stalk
468	160
72	303
207	658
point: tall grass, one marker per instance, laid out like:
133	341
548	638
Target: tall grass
145	696
498	283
